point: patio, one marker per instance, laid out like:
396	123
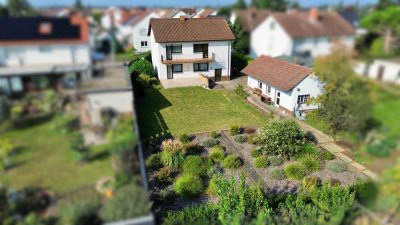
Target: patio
182	82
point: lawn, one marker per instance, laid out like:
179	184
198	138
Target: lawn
193	109
44	159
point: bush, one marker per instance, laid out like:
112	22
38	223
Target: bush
195	165
325	155
239	90
295	171
235	130
337	167
261	162
154	161
277	174
142	66
211	187
382	148
214	134
241	138
217	154
366	191
256	152
250	130
164	176
78	145
184	138
281	137
163	197
252	139
311	163
129	201
232	162
275	160
210	142
193	148
194	214
188	186
173	153
311	182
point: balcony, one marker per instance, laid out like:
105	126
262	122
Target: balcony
185	58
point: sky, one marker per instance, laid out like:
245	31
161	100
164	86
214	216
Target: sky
177	3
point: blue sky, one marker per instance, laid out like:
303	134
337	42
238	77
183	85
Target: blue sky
179	3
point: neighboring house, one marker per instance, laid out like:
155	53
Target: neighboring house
350	15
186	48
141	41
387	70
301	33
36	47
187	12
206	12
285	85
114	17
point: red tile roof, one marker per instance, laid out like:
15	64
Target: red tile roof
190	30
251	18
277	73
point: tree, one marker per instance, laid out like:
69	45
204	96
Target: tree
274	5
78	4
240	4
225	11
142	66
345	104
385	22
3	11
241	42
19	8
382	4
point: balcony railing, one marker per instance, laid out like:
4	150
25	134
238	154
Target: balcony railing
188	58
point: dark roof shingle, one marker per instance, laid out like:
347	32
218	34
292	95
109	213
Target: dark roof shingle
251	18
277	73
190	30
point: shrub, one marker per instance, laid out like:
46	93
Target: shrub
214	134
154	161
217	154
256	152
193	148
252	139
163	176
147	80
281	137
277	174
142	66
366	191
310	137
195	165
210	142
311	163
78	145
80	211
235	130
239	90
378	150
184	138
325	155
249	130
241	138
232	162
188	186
194	214
311	182
211	187
275	160
295	171
261	162
129	201
164	197
173	153
337	166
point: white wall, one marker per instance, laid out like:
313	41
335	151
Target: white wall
137	38
320	46
391	72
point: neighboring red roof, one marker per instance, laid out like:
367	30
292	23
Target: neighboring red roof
190	30
251	18
277	73
299	24
206	12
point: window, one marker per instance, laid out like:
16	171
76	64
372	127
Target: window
177	68
44	49
176	48
143	43
143	32
268	89
302	99
272	26
200	66
259	85
200	47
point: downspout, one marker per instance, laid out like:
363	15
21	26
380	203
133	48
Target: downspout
229	60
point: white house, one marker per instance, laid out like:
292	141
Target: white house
205	12
188	48
387	70
301	33
38	47
285	85
141	41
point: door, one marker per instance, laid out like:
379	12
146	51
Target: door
218	73
169	53
170	74
278	99
205	51
381	70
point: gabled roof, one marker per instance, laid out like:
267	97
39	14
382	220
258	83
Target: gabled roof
206	12
277	73
251	18
298	24
136	18
190	30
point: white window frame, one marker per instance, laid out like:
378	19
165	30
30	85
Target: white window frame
260	85
143	44
301	99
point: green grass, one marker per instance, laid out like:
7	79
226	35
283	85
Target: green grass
46	160
193	109
386	110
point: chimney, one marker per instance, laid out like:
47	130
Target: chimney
182	18
313	15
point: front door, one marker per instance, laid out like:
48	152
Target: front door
170	74
169	52
380	72
218	73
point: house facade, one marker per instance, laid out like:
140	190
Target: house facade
386	70
190	48
284	85
43	47
140	39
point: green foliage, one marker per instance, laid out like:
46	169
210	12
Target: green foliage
275	160
210	142
147	80
196	214
121	137
311	163
232	162
188	186
366	192
20	8
238	61
193	148
326	155
256	152
78	145
240	138
309	183
164	176
277	174
211	187
184	138
235	130
129	201
142	66
382	148
225	11
5	107
261	162
195	165
337	166
6	148
281	137
153	162
217	154
173	153
214	134
239	90
295	171
240	4
273	5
